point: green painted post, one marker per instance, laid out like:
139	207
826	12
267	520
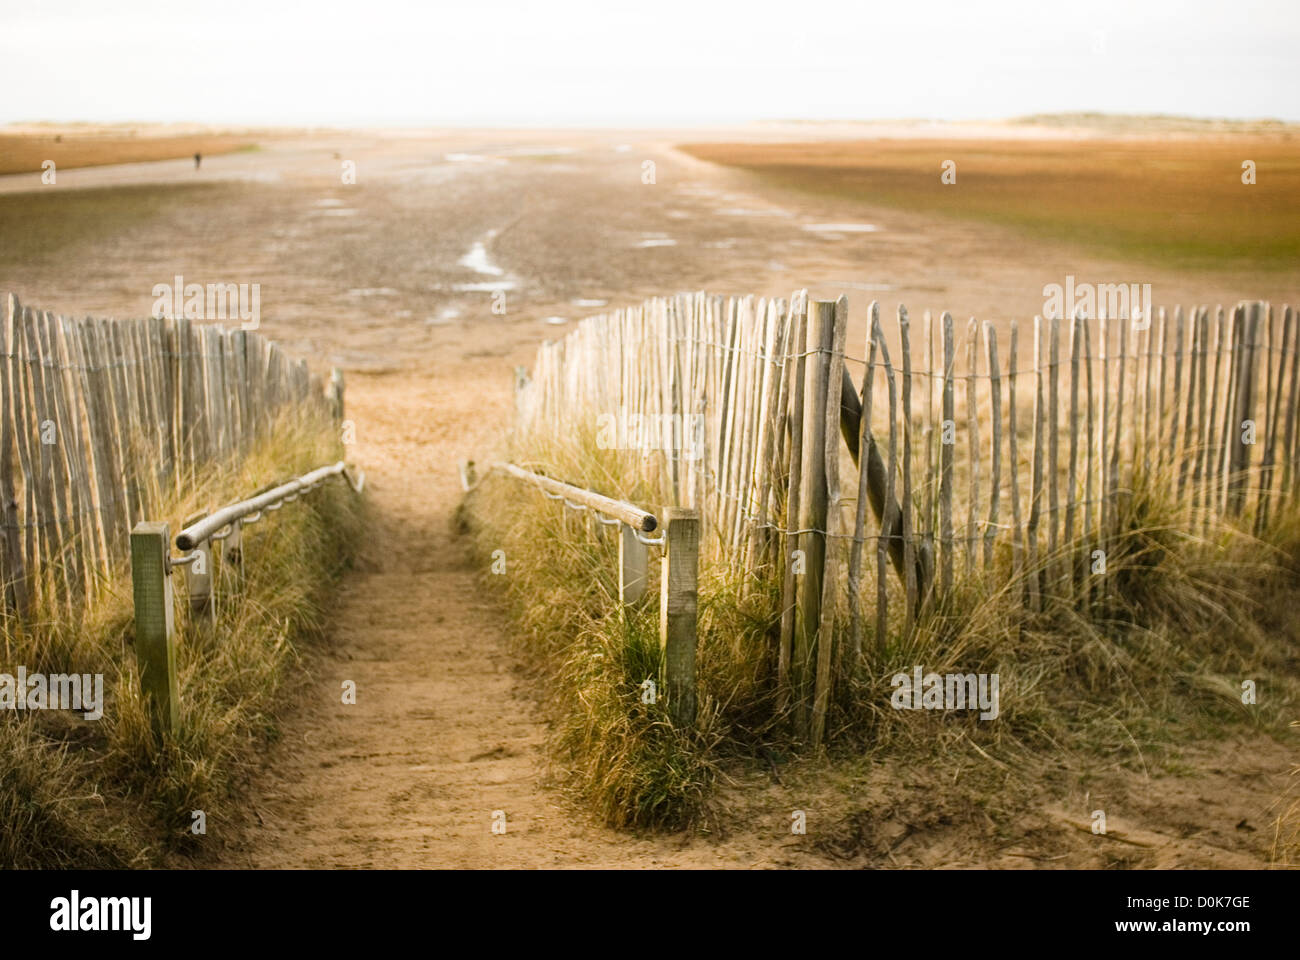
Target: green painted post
155	637
678	607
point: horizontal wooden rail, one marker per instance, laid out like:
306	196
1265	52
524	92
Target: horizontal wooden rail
634	517
151	577
196	533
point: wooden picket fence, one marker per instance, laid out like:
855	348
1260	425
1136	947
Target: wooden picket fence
101	419
1004	458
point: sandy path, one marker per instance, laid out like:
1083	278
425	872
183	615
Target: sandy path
438	739
442	733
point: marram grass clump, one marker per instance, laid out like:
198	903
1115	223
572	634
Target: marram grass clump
107	793
621	755
1127	665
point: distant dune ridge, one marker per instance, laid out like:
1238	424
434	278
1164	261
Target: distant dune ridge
24	148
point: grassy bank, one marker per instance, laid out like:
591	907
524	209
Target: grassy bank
83	793
25	153
1122	679
1179	202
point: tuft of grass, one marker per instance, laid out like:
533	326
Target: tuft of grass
1127	667
622	757
107	793
1286	828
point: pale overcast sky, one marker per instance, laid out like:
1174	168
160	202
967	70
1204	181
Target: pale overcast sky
566	62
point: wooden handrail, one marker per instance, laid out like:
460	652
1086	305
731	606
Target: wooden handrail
196	533
633	516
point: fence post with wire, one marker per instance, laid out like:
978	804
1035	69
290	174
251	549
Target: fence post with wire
679	543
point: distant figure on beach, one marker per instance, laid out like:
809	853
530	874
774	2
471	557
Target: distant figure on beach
198	158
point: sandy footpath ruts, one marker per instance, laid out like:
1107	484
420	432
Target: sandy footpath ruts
442	733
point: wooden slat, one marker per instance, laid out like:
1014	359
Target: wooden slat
945	460
865	439
910	585
1176	399
96	335
794	506
1244	410
1072	465
96	430
1053	443
973	442
68	461
1203	410
1036	475
767	424
995	480
1104	355
889	521
1276	361
831	582
36	403
1089	458
1162	405
1013	457
13	580
813	503
1213	448
1116	465
127	486
1292	320
1140	450
930	437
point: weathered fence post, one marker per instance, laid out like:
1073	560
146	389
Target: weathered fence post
632	561
1249	316
678	606
839	321
812	503
155	641
13	581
